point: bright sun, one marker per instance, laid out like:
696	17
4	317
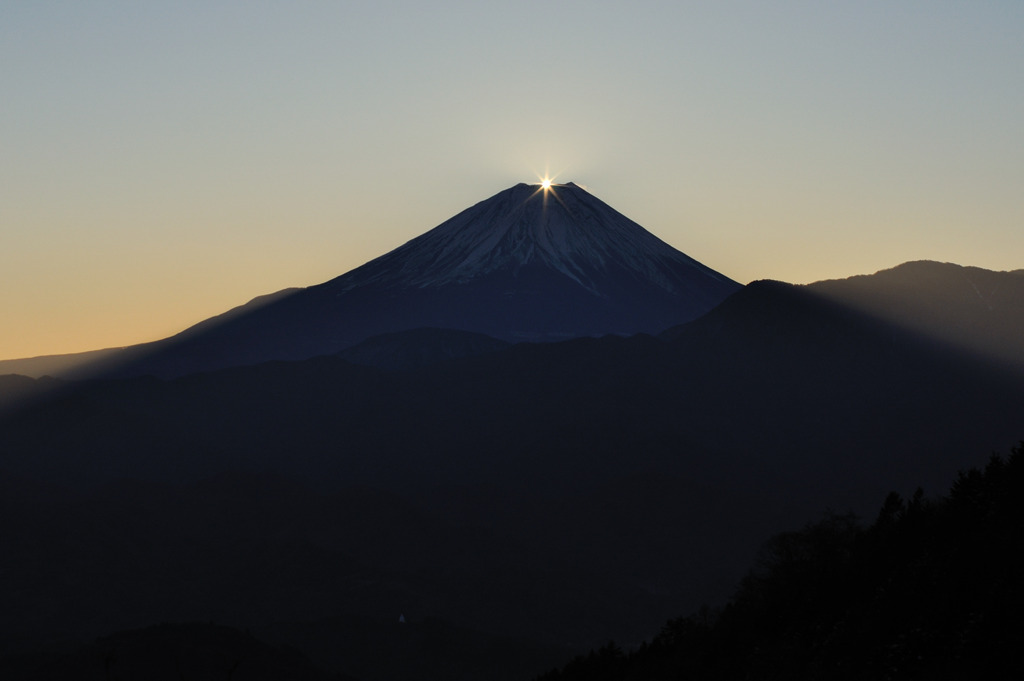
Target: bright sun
545	183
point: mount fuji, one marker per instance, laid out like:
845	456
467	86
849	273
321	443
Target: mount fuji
531	263
544	496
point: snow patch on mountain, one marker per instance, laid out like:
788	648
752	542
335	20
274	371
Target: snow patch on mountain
566	229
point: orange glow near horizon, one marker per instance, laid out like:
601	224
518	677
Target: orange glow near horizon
182	183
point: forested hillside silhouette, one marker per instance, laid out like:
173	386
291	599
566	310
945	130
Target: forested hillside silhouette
931	589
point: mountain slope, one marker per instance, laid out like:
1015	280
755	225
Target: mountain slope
419	347
525	264
564	228
969	307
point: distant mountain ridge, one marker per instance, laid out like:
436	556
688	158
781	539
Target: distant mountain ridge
527	264
975	309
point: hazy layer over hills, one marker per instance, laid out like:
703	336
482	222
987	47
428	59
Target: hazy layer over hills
972	308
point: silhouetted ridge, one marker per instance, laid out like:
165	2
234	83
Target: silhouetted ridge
524	265
969	307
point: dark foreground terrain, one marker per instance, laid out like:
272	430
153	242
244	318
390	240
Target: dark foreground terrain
515	505
932	589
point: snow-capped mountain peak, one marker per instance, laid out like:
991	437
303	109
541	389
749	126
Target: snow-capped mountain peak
527	264
563	228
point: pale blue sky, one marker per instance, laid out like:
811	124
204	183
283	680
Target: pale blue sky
162	162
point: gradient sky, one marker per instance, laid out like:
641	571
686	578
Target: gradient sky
163	162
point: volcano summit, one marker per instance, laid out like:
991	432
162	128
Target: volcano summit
531	263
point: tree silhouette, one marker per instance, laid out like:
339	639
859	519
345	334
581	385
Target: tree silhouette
931	590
